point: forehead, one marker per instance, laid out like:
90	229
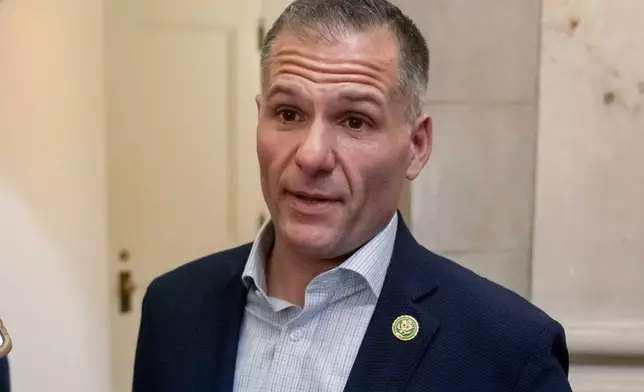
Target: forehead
368	59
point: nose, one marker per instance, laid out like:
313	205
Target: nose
315	153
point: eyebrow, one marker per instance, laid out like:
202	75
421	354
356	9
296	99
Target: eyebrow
281	89
343	96
357	96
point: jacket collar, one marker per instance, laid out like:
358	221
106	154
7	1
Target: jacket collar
385	363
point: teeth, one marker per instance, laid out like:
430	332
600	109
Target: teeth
307	199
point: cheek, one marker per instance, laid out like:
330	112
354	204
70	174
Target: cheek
379	177
378	182
272	154
263	152
265	157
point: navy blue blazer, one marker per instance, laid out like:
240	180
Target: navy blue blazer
474	335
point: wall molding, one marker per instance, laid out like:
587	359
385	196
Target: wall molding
606	379
615	338
604	386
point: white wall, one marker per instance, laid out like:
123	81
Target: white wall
53	283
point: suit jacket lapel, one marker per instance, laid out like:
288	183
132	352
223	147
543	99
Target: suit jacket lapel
385	363
222	316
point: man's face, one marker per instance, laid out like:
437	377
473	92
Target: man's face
333	141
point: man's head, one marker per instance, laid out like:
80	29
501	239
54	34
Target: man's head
331	20
340	121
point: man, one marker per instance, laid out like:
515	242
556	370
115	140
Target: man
335	293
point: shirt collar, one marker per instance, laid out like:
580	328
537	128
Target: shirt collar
253	274
371	261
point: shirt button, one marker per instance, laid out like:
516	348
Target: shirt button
296	335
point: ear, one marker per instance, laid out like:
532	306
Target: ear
420	146
258	102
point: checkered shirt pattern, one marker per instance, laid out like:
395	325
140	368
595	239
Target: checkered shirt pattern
286	348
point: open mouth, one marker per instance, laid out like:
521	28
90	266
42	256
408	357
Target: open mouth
312	204
314	199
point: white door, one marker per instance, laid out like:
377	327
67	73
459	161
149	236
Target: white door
183	180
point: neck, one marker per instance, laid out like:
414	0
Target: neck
288	273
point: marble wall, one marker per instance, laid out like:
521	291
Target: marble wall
474	201
588	262
537	176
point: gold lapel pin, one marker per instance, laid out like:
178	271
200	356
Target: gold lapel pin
405	328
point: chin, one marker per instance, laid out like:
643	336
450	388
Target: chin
311	240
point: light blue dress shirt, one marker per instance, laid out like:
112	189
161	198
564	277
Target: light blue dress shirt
286	348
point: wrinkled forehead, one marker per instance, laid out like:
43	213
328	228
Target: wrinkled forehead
368	59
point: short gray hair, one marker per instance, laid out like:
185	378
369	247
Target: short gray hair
331	19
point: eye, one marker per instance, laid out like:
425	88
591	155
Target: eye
355	123
288	115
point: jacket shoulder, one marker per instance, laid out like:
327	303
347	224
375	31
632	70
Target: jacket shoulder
212	272
491	330
490	310
484	294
